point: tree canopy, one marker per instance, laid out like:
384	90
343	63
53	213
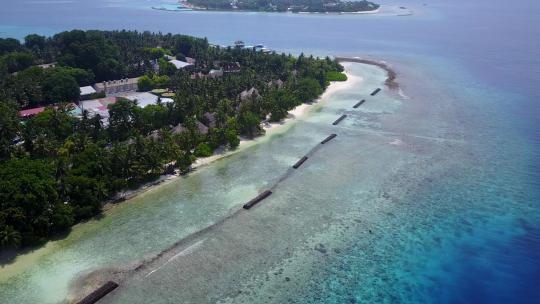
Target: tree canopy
57	169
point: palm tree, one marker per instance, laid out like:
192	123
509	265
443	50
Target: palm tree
9	237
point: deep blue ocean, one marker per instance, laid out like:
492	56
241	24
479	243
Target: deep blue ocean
483	53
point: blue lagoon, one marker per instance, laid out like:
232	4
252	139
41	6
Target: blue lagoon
430	193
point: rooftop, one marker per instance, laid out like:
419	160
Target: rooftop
144	98
114	83
31	112
180	64
87	90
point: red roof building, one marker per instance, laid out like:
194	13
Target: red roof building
31	112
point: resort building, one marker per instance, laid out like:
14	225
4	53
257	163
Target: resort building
87	90
202	128
247	94
144	99
48	65
227	66
230	67
117	86
215	73
31	112
210	119
275	83
180	64
98	106
75	111
179	129
239	44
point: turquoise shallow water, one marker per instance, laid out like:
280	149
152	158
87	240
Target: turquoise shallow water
452	209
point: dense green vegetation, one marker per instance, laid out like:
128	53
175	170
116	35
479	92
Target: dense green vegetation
336	76
318	6
57	169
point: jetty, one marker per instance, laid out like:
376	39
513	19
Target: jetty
329	138
375	92
300	162
99	293
359	103
342	117
257	199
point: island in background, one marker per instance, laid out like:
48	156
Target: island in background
295	6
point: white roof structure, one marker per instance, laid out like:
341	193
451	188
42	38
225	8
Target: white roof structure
144	98
180	64
98	106
87	90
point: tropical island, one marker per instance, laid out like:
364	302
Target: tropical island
295	6
87	115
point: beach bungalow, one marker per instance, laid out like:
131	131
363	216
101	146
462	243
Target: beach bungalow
275	83
202	128
179	129
154	135
246	94
210	119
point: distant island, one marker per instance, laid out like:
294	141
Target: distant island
295	6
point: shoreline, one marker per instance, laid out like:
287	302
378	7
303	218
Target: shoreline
29	254
185	6
390	81
187	9
269	128
89	281
390	10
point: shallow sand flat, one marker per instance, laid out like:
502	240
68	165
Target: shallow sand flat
344	188
127	233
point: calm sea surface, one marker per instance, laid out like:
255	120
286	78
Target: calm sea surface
432	198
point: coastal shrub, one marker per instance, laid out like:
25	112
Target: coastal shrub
145	84
335	76
165	67
160	82
203	150
232	139
184	162
308	89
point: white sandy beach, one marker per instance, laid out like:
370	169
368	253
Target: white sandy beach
276	127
